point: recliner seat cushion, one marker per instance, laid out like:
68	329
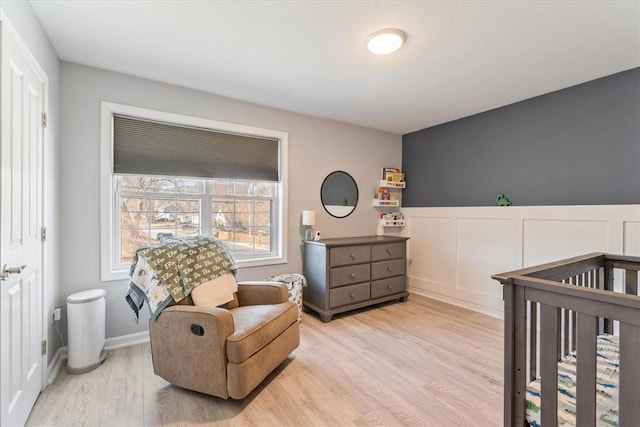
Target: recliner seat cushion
255	326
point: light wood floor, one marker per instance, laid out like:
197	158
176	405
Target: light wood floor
421	362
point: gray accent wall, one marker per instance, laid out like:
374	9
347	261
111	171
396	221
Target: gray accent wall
575	146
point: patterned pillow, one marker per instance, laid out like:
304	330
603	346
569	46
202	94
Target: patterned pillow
215	292
295	283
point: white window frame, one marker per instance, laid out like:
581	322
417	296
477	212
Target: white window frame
108	239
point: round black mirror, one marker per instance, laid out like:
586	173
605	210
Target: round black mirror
339	194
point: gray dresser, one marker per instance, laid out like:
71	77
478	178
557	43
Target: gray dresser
353	272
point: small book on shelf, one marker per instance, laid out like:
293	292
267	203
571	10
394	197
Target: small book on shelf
392	175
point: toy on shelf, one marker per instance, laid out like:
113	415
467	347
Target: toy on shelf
392	219
383	194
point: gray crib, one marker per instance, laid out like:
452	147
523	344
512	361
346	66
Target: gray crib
556	313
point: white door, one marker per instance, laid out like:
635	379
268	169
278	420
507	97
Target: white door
21	156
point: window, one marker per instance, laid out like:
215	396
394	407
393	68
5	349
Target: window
146	208
153	208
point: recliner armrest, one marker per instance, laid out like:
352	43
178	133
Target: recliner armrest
188	347
262	292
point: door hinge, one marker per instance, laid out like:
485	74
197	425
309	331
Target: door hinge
44	120
43	234
43	347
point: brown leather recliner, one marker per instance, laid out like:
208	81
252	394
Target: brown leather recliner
226	351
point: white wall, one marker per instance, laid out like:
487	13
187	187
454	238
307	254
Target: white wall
454	251
24	20
316	148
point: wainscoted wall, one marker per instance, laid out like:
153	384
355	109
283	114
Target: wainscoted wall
453	251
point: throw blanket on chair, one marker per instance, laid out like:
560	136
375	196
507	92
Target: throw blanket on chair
168	272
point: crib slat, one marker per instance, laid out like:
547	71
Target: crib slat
631	282
565	331
629	375
549	364
559	335
564	315
533	341
608	286
573	329
586	374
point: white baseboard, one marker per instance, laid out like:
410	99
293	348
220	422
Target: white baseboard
126	340
109	344
457	302
56	364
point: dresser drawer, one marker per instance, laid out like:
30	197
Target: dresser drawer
348	294
388	251
384	269
349	275
381	288
350	255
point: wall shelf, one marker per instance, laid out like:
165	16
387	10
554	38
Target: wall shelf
392	184
386	203
392	223
388	195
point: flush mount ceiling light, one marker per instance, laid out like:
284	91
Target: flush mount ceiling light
385	41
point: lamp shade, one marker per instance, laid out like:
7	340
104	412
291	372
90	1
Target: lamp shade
308	217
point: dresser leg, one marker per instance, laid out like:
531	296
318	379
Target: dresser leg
326	318
404	299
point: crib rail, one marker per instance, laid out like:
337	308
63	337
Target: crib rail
560	307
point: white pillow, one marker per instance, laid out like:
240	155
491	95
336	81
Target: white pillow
215	292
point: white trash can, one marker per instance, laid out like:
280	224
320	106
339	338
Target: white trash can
86	330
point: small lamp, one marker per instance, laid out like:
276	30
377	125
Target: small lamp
308	221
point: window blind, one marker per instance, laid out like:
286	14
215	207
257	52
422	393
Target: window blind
151	148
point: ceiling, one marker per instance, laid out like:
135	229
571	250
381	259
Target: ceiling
460	58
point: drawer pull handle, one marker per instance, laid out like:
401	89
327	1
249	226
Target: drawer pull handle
352	295
389	251
389	269
352	256
389	287
352	275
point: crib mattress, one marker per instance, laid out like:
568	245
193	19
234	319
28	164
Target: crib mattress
606	387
